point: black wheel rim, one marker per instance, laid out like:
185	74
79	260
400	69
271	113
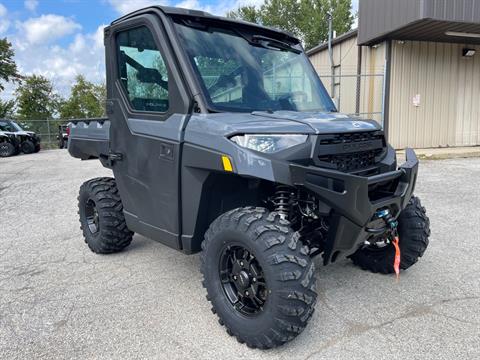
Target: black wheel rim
91	214
243	280
4	150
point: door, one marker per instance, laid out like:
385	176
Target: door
147	105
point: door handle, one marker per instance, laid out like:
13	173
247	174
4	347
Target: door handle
166	151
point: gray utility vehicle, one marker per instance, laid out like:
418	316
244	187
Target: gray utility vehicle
222	139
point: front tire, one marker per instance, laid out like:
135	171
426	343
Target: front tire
27	147
413	233
7	149
101	216
259	277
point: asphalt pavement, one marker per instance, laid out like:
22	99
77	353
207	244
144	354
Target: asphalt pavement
58	300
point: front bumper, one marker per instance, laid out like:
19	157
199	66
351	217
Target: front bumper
354	200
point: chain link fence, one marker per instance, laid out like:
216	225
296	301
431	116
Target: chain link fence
48	130
360	95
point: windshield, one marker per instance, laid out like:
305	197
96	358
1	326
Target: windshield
16	126
246	72
9	126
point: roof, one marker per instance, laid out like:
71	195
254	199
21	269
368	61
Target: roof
205	15
418	20
348	35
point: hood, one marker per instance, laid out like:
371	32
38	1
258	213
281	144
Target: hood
324	123
280	122
23	132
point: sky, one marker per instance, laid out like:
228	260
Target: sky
63	38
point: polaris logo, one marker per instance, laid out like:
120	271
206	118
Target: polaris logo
358	146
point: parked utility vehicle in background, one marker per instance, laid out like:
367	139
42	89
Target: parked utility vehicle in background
8	144
222	139
25	141
62	136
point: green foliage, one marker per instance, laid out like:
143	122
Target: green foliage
8	68
86	100
247	13
36	99
306	19
7	109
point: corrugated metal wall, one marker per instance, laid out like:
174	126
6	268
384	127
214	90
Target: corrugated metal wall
446	89
379	17
345	55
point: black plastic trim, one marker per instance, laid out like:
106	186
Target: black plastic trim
348	196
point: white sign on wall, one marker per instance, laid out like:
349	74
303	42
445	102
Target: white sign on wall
416	100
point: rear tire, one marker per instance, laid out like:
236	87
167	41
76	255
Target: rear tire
27	147
413	233
7	149
285	303
101	216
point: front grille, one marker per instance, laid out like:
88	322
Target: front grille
351	152
352	162
351	137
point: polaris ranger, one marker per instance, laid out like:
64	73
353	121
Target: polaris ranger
8	144
21	141
222	139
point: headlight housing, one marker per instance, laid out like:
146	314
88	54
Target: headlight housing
269	143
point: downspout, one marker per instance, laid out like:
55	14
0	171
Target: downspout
359	80
386	88
330	53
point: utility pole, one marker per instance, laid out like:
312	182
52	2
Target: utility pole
330	53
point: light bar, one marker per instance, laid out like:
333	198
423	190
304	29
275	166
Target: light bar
462	34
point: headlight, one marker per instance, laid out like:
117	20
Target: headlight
268	143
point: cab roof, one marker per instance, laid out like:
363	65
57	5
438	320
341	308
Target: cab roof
202	15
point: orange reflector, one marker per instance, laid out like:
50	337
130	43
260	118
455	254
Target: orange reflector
227	164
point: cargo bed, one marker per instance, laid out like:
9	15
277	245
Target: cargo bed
89	138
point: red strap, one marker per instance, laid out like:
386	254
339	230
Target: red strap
396	263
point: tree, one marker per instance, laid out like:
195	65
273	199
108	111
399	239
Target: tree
8	73
306	19
248	13
36	99
316	12
86	100
8	68
7	109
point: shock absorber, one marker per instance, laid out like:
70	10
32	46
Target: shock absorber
281	200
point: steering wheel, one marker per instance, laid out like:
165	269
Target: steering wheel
288	100
222	81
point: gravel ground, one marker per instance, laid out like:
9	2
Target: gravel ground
59	300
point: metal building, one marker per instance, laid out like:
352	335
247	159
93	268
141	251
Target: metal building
414	65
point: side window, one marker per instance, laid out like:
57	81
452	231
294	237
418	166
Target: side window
5	126
142	70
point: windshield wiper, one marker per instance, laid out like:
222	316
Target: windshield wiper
271	43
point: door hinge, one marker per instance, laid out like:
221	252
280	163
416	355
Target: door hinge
112	157
109	106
